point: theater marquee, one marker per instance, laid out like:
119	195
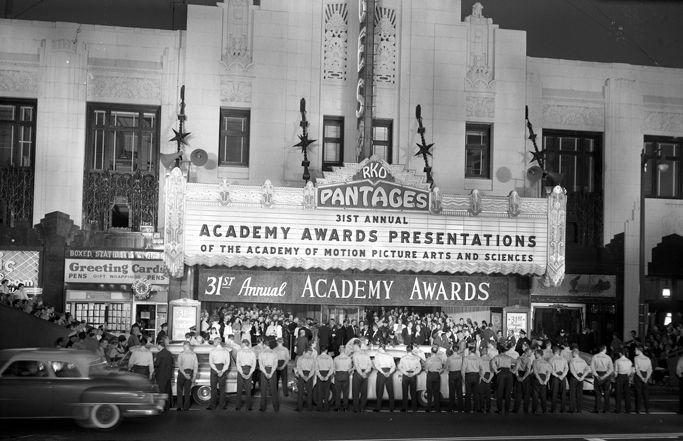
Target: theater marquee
367	216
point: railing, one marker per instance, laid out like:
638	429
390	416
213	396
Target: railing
16	194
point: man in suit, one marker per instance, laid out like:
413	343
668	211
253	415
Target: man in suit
336	339
325	333
408	334
347	332
163	368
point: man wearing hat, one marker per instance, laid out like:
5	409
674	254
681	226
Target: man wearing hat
521	341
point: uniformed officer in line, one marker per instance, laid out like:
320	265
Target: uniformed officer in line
409	367
305	371
324	373
623	368
385	366
470	373
283	358
246	366
579	370
501	365
219	361
434	366
485	378
454	367
602	368
362	364
343	367
541	370
267	362
643	372
523	372
558	372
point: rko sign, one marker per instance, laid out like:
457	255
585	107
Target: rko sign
373	187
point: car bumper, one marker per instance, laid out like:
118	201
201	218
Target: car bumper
147	409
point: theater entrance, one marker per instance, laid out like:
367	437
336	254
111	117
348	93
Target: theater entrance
551	318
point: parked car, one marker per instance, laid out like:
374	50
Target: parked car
65	383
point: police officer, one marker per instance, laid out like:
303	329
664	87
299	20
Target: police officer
484	387
643	372
219	361
434	366
558	372
283	358
602	368
409	367
623	368
579	370
541	369
305	371
502	367
385	366
267	362
454	366
343	366
246	366
523	372
470	372
362	364
324	372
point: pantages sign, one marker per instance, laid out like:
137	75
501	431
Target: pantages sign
222	285
366	216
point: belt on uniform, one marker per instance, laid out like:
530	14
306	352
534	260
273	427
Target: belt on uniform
558	373
622	375
342	375
410	372
505	370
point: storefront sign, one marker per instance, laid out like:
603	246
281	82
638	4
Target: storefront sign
20	267
184	315
115	254
516	321
217	285
578	285
114	271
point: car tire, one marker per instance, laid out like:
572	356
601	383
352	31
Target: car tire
103	416
202	395
422	398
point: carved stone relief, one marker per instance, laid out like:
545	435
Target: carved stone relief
19	81
336	41
124	87
561	115
664	121
480	106
386	52
234	91
480	50
238	23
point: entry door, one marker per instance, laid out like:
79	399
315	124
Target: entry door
340	313
553	319
146	316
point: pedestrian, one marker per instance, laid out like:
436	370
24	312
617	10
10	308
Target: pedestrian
246	365
558	372
579	370
324	372
141	360
362	363
385	366
163	333
623	369
484	387
305	371
521	341
134	338
502	367
602	368
409	366
219	362
163	368
302	342
267	364
541	369
343	366
523	372
643	372
283	358
470	372
434	367
454	367
188	365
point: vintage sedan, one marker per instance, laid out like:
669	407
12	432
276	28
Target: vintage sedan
64	383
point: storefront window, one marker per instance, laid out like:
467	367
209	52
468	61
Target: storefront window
382	134
333	142
17	133
662	172
478	151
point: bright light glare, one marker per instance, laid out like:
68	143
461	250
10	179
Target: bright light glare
667	319
666	292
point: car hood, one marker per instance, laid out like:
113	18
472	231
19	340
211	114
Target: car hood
126	379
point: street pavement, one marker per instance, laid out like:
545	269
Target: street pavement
205	425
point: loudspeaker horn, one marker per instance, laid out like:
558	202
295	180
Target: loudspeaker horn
168	159
534	174
198	157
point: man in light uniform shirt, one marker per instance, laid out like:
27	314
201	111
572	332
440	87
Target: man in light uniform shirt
470	373
324	373
623	368
434	366
483	392
141	361
187	372
385	366
219	361
602	368
409	367
501	365
579	370
246	366
267	364
558	372
541	369
305	371
283	358
523	374
454	366
643	372
359	388
343	366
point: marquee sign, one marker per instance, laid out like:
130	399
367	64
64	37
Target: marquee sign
222	225
222	285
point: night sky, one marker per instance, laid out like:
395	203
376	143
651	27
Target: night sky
647	32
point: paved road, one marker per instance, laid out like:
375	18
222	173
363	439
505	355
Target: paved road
204	425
